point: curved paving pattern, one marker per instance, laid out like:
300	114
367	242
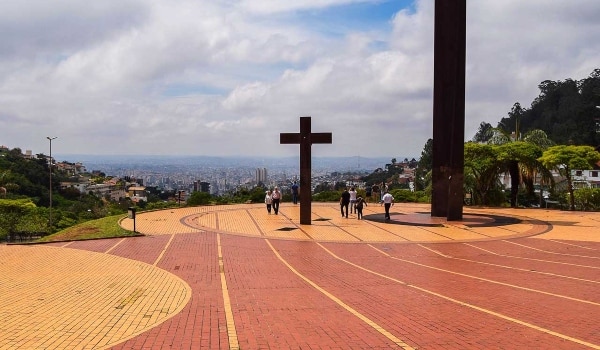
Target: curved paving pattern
234	277
56	298
410	223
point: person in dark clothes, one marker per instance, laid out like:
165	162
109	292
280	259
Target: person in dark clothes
359	206
345	202
295	188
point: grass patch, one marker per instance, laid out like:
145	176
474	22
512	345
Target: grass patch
107	227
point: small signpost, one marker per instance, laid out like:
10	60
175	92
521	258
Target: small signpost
131	215
305	138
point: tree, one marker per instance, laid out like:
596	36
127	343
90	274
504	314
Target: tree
481	170
565	110
424	166
199	198
519	155
533	168
484	133
518	158
565	158
12	212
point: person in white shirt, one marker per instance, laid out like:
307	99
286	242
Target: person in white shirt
268	201
388	201
352	199
276	198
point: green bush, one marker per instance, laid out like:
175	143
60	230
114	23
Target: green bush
408	196
327	196
160	205
199	198
587	199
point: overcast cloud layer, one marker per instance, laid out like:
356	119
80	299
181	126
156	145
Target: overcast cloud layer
184	77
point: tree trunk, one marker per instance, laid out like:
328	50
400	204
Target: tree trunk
513	170
570	188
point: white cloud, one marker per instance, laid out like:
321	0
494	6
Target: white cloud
226	77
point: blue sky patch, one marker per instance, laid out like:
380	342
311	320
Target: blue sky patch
338	20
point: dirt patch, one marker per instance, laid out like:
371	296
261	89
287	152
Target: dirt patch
76	233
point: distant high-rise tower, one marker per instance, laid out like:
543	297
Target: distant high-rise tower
261	175
201	186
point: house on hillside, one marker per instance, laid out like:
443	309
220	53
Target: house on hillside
586	178
137	193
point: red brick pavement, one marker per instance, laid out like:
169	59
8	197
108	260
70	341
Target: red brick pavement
274	309
481	295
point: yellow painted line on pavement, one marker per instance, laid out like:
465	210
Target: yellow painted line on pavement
435	251
160	256
114	246
338	301
571	244
462	303
509	267
533	259
231	332
488	280
549	252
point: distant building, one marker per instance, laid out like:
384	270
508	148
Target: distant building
261	175
137	193
201	186
586	178
71	168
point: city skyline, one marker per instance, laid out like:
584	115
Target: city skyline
226	78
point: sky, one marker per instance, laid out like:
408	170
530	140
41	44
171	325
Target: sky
225	78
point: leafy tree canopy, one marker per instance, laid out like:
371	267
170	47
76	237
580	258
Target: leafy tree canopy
565	110
565	158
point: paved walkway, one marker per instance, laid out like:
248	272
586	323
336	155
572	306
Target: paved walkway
235	277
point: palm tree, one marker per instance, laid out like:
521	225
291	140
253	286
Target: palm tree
519	157
534	168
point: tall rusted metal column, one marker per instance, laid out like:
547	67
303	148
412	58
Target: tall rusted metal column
449	108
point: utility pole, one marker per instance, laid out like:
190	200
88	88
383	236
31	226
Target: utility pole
50	167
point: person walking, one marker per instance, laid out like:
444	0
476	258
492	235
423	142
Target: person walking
388	201
376	193
368	192
352	199
383	190
359	207
268	201
344	202
295	189
276	198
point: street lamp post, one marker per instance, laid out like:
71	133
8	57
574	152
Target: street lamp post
50	167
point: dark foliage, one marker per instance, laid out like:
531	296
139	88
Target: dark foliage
565	110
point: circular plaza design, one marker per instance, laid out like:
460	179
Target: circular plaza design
410	222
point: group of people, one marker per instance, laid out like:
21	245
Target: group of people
376	192
273	198
349	199
354	201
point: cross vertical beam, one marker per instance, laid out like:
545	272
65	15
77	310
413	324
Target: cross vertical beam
305	138
449	108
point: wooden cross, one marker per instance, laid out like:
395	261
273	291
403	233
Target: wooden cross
305	138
